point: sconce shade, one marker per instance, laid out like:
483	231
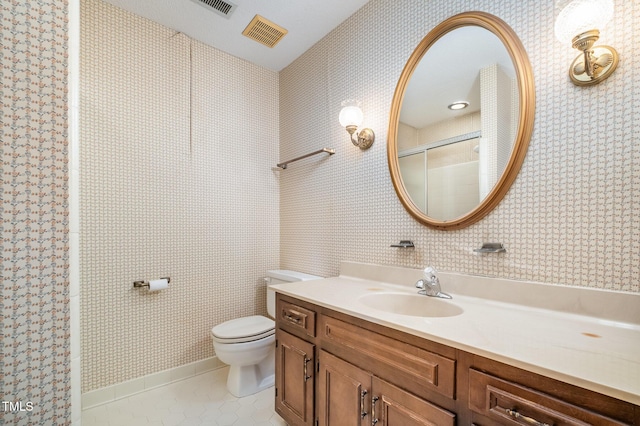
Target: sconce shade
579	16
350	118
350	115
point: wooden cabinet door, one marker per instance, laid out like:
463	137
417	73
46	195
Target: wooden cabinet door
295	363
343	393
392	406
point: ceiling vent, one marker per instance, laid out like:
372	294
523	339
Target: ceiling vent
264	31
222	8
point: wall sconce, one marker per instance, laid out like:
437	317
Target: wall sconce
350	118
579	22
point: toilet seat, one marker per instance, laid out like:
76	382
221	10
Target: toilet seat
246	329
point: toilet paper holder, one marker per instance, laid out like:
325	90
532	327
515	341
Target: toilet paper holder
138	284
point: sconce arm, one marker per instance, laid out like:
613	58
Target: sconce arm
597	63
362	140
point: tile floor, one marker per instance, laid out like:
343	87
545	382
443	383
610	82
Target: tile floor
199	400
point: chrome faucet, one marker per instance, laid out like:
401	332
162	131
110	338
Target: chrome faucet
430	284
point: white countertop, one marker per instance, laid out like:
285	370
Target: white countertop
593	352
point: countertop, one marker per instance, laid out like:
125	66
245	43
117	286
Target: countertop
593	352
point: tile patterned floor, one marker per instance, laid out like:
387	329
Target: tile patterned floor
200	400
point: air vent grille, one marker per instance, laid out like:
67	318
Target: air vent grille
264	31
222	8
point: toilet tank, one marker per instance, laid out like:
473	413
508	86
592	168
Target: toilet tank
280	276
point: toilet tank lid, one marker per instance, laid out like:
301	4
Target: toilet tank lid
287	275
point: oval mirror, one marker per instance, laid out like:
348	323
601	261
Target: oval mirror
461	119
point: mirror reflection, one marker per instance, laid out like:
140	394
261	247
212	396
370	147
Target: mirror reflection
450	159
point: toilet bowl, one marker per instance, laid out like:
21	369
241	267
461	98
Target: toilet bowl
247	344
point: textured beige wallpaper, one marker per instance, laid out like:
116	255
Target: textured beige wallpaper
177	144
571	216
35	373
183	186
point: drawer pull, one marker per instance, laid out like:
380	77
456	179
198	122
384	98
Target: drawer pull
292	319
293	316
526	419
363	413
373	410
306	376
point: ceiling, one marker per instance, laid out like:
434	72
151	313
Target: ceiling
306	22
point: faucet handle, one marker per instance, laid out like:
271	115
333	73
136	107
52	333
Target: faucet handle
429	274
430	284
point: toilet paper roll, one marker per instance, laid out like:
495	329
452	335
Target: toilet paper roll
156	285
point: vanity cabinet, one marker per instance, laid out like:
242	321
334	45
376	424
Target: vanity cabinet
350	396
331	371
334	369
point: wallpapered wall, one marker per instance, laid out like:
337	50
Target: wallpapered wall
571	215
178	142
34	362
569	218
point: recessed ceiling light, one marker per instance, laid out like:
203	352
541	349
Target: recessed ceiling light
458	105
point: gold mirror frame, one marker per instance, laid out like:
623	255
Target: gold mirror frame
526	92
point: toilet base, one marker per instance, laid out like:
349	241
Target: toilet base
245	380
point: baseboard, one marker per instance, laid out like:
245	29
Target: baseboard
131	387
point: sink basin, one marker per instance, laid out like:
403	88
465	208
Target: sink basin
415	305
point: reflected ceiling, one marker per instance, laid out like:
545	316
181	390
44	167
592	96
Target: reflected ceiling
442	76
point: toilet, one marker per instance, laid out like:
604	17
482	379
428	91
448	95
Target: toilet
247	344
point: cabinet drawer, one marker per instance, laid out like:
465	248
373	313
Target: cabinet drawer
399	362
297	317
509	403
